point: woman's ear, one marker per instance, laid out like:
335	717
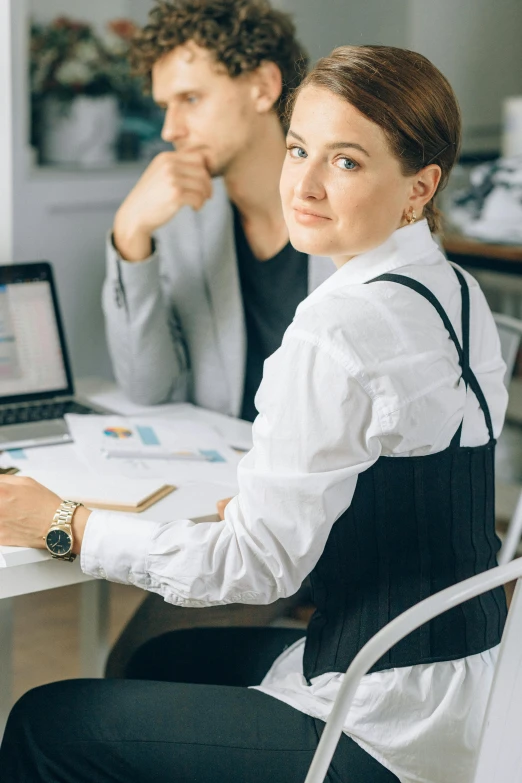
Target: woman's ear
424	187
267	86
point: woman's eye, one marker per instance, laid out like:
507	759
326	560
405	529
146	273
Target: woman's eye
297	152
192	98
347	164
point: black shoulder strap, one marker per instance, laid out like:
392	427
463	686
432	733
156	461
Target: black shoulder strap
463	351
469	376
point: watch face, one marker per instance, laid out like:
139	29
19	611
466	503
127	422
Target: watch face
59	542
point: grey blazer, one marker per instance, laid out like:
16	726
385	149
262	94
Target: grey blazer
175	323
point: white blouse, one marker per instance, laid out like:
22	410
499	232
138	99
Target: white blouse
363	371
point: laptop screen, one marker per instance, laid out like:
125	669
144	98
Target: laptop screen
33	362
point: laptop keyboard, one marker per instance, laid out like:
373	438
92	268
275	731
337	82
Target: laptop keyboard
20	414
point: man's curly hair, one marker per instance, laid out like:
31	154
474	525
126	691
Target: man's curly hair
241	34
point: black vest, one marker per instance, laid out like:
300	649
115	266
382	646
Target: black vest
415	526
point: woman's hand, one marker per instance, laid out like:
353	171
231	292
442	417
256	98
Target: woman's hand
221	506
26	511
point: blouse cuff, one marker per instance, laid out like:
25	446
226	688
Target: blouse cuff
116	547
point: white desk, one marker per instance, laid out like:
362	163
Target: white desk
31	570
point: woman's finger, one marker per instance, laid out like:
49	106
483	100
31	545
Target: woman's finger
221	506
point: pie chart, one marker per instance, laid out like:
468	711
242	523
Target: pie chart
118	433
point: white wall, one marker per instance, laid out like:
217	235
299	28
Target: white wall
94	11
65	220
324	25
139	9
477	44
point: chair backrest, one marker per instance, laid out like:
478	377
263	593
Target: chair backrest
513	534
500	756
500	752
510	333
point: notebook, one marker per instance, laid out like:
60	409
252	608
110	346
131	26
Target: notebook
111	493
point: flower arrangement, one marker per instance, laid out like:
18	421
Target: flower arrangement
68	58
71	63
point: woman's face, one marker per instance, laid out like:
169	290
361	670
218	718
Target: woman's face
342	189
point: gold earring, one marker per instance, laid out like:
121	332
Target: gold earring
411	218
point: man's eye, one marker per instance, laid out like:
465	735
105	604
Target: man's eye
347	164
192	98
297	152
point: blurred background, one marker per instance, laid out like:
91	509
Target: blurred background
80	131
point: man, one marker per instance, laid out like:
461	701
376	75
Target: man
202	281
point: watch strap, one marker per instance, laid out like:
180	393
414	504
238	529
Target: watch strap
68	558
64	512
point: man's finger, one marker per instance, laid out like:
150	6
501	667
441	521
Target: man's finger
194	198
194	156
194	179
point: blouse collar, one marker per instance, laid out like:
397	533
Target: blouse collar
408	245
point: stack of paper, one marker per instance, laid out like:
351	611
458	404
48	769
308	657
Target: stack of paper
179	452
128	463
237	433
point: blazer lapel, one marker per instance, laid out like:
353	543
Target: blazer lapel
224	292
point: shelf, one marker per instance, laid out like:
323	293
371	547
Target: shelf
69	174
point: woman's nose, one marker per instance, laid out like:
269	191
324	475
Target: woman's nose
309	185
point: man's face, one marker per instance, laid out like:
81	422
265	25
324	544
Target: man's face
205	109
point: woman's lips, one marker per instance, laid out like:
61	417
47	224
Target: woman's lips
308	218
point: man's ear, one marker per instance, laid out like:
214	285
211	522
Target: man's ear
267	86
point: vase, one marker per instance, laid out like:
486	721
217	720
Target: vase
81	132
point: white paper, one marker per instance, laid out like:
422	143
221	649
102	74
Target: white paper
56	458
95	436
3	564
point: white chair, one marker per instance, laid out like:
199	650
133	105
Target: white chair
510	333
513	534
500	753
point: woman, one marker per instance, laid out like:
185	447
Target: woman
372	471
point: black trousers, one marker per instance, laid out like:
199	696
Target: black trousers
206	728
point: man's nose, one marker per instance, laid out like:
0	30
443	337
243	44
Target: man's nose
174	128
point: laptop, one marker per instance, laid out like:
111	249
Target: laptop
36	384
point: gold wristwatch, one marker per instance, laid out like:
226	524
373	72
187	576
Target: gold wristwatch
59	538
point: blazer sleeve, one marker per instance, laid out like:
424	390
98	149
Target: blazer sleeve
144	333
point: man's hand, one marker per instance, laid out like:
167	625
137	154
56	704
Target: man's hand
26	513
221	506
171	181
